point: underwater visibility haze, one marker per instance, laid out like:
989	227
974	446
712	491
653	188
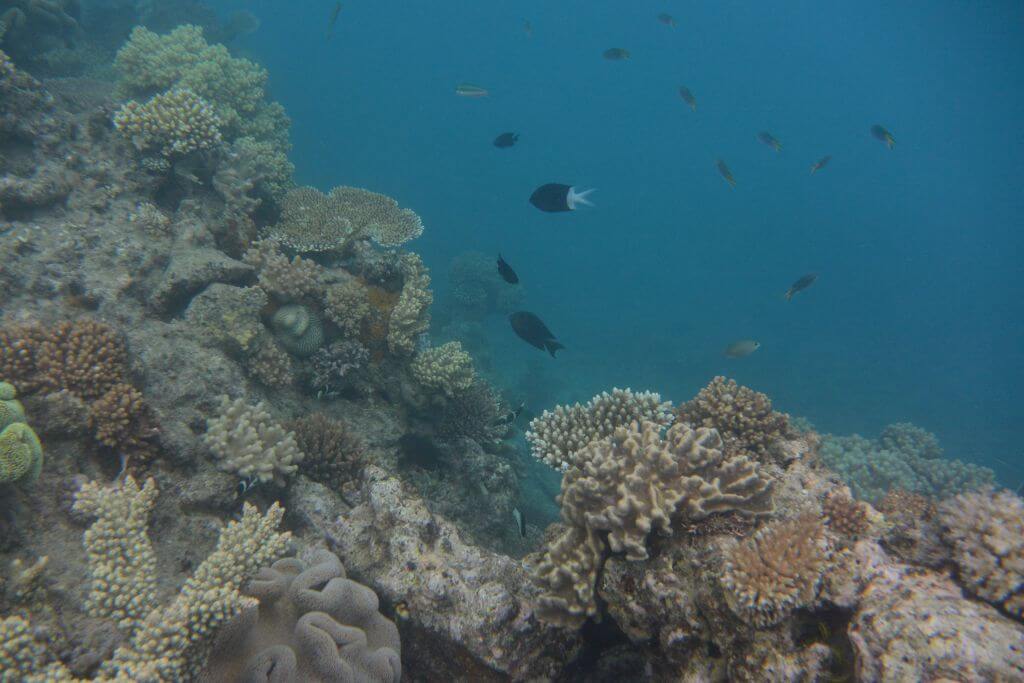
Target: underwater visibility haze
570	341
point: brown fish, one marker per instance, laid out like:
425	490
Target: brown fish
688	97
820	164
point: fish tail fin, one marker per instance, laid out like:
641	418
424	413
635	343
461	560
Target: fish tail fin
890	141
552	346
789	294
814	169
579	197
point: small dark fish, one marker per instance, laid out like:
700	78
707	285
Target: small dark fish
667	19
725	172
688	97
506	272
803	283
534	332
246	485
616	54
820	164
520	522
333	20
770	140
555	197
742	348
883	135
506	140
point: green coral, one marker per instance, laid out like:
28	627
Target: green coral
21	454
11	410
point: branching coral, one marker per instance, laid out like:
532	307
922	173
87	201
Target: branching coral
742	416
250	444
333	453
776	571
286	280
330	366
558	434
347	305
174	123
84	357
272	366
121	420
904	437
845	516
312	624
986	532
630	484
446	368
410	317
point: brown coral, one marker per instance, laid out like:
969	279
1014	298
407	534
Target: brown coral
776	570
844	515
18	347
742	416
347	306
272	366
121	420
334	455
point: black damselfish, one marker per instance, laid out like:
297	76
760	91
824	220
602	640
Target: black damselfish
506	140
506	272
555	197
534	332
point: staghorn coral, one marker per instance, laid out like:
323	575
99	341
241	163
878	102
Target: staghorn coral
271	366
410	317
558	434
347	305
333	453
286	280
844	515
248	442
299	329
630	484
742	416
174	123
446	368
777	570
907	438
120	420
312	624
986	532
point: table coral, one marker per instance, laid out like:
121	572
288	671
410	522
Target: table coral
174	123
630	484
446	368
558	434
986	532
248	442
742	416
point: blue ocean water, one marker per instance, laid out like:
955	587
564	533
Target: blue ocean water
917	314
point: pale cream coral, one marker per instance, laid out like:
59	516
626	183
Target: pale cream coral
377	216
776	571
287	280
248	442
347	306
558	434
410	317
447	368
174	123
742	416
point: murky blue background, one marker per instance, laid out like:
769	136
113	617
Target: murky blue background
917	314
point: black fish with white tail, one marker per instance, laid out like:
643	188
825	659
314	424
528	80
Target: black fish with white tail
506	140
800	285
506	272
555	197
534	332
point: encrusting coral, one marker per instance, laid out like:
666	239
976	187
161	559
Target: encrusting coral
174	123
248	442
628	485
742	416
558	434
446	368
163	642
312	624
776	571
986	532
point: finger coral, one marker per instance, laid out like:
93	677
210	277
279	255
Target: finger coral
558	434
742	416
86	358
248	442
986	532
628	485
120	420
446	368
312	624
776	571
333	453
174	123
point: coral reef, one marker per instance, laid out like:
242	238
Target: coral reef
909	439
21	454
173	123
121	420
333	453
742	416
776	571
558	434
248	442
410	318
272	366
630	484
299	329
332	367
446	368
474	413
986	532
912	530
286	280
312	624
845	517
346	305
11	410
31	28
